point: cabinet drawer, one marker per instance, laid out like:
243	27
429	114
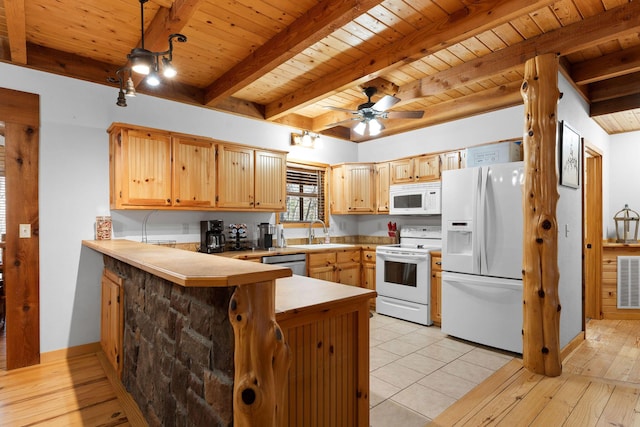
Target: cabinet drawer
322	259
368	256
349	256
436	263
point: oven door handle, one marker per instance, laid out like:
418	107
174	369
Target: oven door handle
401	256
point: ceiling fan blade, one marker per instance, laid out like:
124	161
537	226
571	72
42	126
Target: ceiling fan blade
343	122
385	103
344	110
405	114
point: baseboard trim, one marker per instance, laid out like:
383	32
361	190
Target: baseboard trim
67	353
573	344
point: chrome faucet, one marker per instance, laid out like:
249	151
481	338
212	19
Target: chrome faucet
311	234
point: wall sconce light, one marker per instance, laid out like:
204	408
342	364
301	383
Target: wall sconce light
304	139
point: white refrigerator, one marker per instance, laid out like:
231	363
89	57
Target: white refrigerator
482	254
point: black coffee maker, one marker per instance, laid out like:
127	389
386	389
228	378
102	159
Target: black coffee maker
212	238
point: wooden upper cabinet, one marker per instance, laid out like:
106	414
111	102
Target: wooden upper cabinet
353	188
427	168
270	180
251	179
194	176
383	176
360	187
401	171
142	166
235	177
415	169
338	203
450	160
157	169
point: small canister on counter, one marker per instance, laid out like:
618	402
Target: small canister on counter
103	228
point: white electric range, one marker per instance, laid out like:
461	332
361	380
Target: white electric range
403	274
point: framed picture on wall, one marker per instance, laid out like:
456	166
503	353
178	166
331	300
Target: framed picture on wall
570	153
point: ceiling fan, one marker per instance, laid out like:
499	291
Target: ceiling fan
368	114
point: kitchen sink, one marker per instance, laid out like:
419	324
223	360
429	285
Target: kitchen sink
322	246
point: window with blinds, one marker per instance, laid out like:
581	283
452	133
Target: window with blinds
305	194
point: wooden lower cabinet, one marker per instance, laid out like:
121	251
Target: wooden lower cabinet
112	319
369	272
322	266
340	267
436	287
348	267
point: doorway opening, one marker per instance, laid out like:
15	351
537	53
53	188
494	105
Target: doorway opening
592	232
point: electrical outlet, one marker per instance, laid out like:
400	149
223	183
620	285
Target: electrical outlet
25	231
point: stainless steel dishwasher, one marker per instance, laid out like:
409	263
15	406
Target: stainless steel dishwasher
296	262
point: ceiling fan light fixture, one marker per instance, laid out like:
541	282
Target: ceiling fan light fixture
374	127
360	128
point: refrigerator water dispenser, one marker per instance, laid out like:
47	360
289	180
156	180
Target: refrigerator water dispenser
459	237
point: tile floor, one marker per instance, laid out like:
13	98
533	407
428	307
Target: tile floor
417	371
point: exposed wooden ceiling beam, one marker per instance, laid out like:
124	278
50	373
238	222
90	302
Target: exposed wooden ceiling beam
478	16
616	105
563	41
16	28
608	66
319	21
615	88
169	21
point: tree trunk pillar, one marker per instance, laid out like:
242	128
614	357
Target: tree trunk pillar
541	305
261	358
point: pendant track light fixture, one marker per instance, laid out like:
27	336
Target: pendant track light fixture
145	62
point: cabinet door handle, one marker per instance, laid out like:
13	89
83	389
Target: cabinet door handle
177	200
438	263
168	200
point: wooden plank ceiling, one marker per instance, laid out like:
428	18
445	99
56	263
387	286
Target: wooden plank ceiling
285	61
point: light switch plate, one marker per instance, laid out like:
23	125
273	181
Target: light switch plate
25	231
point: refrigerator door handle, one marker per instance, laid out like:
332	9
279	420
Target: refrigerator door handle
481	227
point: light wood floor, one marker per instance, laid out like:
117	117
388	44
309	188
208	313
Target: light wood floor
599	386
75	392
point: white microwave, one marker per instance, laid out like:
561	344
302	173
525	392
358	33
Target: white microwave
422	198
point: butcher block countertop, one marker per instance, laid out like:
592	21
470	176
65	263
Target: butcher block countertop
185	268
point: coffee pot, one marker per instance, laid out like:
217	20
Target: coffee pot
215	242
212	239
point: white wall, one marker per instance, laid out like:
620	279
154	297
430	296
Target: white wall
624	178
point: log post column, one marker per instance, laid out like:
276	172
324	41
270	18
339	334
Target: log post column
261	358
541	306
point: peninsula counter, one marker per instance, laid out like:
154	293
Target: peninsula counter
208	340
